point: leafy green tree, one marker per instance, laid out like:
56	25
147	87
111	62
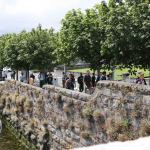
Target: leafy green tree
82	35
139	12
127	33
70	31
30	50
42	44
3	42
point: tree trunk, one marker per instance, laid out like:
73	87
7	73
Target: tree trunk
64	67
98	71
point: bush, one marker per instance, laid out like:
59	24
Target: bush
145	128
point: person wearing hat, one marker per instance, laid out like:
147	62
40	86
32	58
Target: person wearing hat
140	79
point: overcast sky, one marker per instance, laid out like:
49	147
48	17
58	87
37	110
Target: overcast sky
16	15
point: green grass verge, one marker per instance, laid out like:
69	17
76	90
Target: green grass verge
118	72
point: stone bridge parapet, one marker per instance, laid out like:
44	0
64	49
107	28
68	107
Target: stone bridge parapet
62	119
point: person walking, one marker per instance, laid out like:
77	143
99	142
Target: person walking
80	82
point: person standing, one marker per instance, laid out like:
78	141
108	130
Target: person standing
103	77
80	82
141	80
50	79
31	79
22	77
93	80
87	81
69	83
64	78
73	81
4	75
13	74
41	77
98	77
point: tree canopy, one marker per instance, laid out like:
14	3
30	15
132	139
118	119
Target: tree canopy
29	50
108	34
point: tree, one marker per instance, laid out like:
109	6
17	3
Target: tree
70	31
82	35
127	33
3	40
42	44
30	50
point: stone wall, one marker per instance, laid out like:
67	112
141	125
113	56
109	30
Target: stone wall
64	119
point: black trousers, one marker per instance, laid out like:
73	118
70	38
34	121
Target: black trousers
81	87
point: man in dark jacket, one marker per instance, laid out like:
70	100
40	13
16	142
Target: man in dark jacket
93	80
88	81
80	82
103	77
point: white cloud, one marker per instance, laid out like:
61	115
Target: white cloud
26	14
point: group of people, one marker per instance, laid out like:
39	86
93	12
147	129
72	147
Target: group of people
45	78
4	75
86	82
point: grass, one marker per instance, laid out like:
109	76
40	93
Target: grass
118	72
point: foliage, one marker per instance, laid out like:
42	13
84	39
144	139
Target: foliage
109	34
87	112
145	128
29	50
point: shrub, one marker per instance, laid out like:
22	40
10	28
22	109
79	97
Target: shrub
58	98
119	127
145	128
85	134
98	116
87	112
